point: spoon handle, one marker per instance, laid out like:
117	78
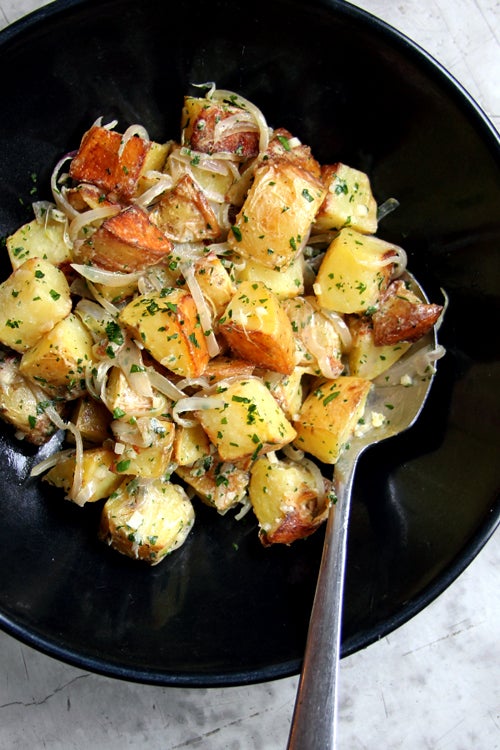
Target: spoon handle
314	720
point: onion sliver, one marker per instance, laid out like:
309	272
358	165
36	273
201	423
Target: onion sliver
87	217
109	278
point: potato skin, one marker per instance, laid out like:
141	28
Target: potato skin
33	299
402	317
366	358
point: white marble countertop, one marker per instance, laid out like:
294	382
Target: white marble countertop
432	684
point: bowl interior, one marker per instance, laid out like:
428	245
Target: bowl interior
222	610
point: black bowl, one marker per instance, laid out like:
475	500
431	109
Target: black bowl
223	610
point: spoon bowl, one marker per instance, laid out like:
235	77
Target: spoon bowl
396	399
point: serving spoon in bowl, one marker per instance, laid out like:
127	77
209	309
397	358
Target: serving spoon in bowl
399	394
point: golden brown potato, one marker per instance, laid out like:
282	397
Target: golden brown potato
126	242
318	343
103	159
258	329
276	217
168	325
248	421
284	147
402	316
147	520
286	389
98	477
20	406
183	213
33	299
58	361
348	202
206	127
223	368
328	416
287	500
354	273
38	239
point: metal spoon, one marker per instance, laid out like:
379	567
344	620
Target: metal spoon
314	720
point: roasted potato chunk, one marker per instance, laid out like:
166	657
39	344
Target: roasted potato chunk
105	160
367	359
287	501
147	451
126	242
354	273
206	127
257	328
20	406
190	444
214	282
38	239
284	147
98	478
147	520
329	415
58	361
402	316
285	283
184	214
122	400
348	202
248	422
168	325
221	485
92	419
33	300
275	218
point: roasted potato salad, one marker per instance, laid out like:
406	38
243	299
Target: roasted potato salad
202	319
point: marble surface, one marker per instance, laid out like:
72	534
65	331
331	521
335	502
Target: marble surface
433	684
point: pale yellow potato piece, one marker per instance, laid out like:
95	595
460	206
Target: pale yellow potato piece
58	361
38	240
276	217
154	162
286	389
248	422
286	500
284	283
122	400
365	359
349	201
33	299
214	282
354	272
98	478
257	328
168	325
150	461
329	415
147	520
20	407
190	444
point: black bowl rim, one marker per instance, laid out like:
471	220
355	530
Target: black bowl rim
491	136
